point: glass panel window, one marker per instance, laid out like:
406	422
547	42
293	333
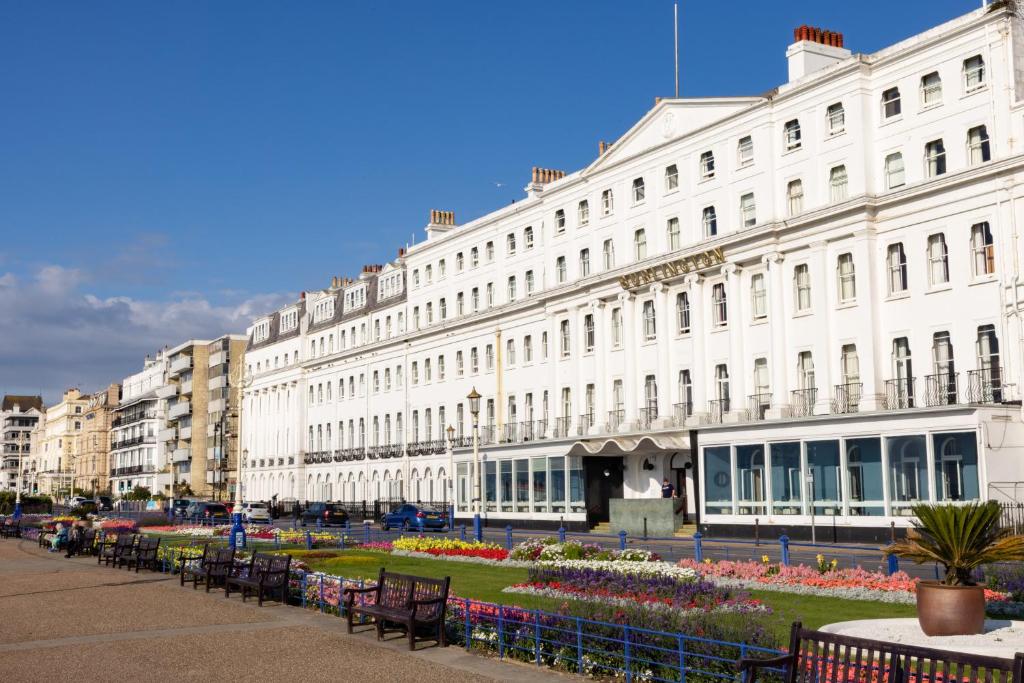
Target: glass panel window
556	483
671	178
787	478
539	469
891	103
522	483
847	278
838	184
956	466
719	305
908	472
758	297
836	118
672	233
795	197
895	175
982	250
974	73
750	476
748	210
709	221
639	191
583	213
896	262
825	485
707	165
640	245
978	150
576	485
938	260
935	158
931	89
802	287
717	480
864	477
791	135
745	151
683	312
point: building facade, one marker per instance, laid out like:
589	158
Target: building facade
201	433
137	455
19	416
56	440
91	464
803	308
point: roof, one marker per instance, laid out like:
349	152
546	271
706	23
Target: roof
23	402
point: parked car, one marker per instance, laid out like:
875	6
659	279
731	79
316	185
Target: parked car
329	514
255	512
76	501
104	503
180	506
410	516
217	512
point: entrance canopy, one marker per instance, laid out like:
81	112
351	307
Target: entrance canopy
624	445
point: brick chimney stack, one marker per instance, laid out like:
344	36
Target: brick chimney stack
442	217
542	176
603	147
814	49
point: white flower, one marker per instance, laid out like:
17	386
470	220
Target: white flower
626	567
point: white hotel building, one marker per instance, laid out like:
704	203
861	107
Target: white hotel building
807	301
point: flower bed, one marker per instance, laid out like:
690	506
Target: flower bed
118	525
614	583
450	547
536	549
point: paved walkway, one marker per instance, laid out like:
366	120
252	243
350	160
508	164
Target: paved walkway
83	622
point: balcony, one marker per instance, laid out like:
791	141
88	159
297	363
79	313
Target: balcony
179	409
803	402
133	441
218	382
181	455
717	410
985	386
846	398
127	418
180	365
131	470
217	405
940	389
169	434
584	423
899	393
185	433
646	416
562	427
185	388
218	358
488	434
167	391
615	419
758	405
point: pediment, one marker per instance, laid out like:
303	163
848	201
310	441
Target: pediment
669	120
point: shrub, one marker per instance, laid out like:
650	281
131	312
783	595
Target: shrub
152	519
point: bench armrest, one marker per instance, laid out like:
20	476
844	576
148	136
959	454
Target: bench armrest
747	665
416	604
350	594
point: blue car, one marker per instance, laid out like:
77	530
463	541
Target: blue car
414	517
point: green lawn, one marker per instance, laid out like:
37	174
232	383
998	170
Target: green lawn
484	582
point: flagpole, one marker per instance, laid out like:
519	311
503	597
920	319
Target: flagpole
675	27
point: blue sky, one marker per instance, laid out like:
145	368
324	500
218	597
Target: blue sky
172	169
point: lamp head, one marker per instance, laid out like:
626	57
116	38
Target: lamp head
474	401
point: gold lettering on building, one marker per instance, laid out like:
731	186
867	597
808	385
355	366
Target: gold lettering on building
698	261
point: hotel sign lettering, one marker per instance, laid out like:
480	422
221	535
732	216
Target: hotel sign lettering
663	271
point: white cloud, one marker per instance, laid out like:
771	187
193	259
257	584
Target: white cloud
54	335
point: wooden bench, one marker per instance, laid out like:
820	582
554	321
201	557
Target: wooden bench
111	551
144	554
818	656
266	576
195	567
414	602
87	543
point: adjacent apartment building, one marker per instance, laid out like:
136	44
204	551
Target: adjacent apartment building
56	441
798	306
19	415
91	463
137	456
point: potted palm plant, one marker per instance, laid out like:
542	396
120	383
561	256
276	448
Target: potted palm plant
961	538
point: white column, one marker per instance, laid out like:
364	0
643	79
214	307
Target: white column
698	326
824	356
872	349
663	373
630	345
554	353
737	321
599	310
579	344
777	325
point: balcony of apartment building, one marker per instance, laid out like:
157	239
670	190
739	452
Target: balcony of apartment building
180	364
218	358
217	405
168	434
185	388
218	382
975	387
131	470
127	418
179	455
167	391
179	409
132	441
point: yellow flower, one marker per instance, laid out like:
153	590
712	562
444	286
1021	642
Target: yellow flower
765	559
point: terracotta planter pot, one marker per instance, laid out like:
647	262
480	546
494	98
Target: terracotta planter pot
950	610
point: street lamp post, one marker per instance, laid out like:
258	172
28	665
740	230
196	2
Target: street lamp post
242	380
17	485
450	493
474	409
